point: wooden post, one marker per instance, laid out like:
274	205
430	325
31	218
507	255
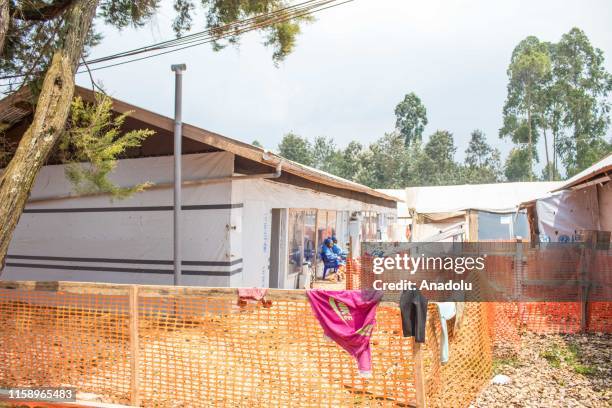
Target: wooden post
587	253
316	249
419	377
134	348
350	261
472	219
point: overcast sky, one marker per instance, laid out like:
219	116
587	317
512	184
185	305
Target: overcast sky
352	66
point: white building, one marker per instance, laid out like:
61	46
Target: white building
250	218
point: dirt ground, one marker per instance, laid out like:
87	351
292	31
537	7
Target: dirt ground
554	371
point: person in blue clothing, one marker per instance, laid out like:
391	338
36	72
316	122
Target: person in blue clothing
329	258
337	250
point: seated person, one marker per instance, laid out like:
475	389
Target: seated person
329	258
337	250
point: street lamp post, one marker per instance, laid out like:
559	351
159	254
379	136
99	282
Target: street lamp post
178	134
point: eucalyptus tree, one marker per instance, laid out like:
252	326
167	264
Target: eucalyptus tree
529	70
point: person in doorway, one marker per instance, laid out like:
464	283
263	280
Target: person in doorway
331	261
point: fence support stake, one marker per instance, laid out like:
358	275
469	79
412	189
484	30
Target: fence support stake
419	381
134	348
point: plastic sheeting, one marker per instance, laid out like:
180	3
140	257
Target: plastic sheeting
562	215
498	198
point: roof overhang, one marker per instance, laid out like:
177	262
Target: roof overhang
599	172
14	108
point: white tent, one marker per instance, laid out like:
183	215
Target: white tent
471	212
582	203
495	198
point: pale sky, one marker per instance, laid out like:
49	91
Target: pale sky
352	66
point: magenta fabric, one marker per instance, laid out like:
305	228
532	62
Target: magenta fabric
252	293
348	318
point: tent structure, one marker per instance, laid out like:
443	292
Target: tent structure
251	217
471	212
578	206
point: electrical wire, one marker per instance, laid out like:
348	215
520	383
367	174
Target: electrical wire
207	36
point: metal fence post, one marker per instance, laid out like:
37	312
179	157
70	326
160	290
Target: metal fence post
134	348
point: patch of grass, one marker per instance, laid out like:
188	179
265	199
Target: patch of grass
500	363
569	355
554	355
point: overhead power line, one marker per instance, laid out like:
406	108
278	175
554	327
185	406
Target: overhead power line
207	36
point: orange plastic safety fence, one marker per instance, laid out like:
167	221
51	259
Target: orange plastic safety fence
196	347
53	339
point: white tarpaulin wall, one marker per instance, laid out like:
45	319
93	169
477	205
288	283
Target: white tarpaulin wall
94	238
496	198
562	215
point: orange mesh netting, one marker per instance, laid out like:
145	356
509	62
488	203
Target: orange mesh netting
189	347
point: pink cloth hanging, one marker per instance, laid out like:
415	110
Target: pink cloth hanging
252	293
348	318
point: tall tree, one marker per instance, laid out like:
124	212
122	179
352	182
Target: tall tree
325	154
349	161
517	166
49	119
434	163
385	162
43	43
296	148
529	69
583	86
411	118
482	162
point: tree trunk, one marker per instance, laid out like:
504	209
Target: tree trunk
530	145
548	169
554	152
49	121
4	22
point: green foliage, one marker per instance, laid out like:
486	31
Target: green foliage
434	164
528	74
550	173
281	36
500	364
517	166
411	118
92	144
35	34
348	162
560	89
296	148
7	149
384	163
482	162
256	143
324	154
583	87
567	355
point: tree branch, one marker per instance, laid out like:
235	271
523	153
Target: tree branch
40	11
